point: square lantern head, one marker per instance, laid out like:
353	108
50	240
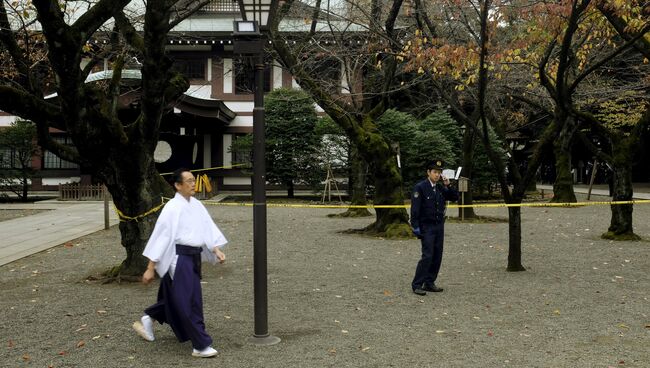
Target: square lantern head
257	10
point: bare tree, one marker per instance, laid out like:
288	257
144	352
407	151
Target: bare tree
117	150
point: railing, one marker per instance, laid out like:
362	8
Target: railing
76	192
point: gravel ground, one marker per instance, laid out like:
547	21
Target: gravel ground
345	301
12	214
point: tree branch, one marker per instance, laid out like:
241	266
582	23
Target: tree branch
421	12
128	31
184	11
642	44
608	58
96	16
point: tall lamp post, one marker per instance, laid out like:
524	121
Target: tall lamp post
249	41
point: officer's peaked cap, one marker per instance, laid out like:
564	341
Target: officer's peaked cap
435	164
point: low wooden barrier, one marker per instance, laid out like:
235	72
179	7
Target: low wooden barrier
76	192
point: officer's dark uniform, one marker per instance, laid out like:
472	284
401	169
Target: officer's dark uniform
428	206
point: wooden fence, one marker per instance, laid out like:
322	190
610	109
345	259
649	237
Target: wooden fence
76	192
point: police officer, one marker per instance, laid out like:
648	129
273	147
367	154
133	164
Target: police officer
428	206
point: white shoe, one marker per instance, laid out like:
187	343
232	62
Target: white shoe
208	352
144	328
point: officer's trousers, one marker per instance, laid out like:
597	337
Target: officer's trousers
432	239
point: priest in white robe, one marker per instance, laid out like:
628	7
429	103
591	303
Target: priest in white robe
183	237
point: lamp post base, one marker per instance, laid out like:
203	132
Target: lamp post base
264	340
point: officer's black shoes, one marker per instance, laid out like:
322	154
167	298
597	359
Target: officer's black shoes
419	291
432	288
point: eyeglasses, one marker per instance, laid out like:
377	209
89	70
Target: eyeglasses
190	181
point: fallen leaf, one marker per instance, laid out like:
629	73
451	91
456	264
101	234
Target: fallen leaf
647	326
344	331
101	311
365	349
11	343
332	351
26	357
96	337
387	293
68	245
81	343
63	352
557	312
440	331
490	333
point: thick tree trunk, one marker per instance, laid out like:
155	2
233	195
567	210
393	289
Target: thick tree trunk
357	183
390	222
468	167
137	191
620	227
514	239
290	189
563	187
25	189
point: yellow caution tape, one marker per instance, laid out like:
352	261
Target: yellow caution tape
482	205
211	168
124	218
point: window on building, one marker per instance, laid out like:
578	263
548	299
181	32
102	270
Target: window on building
192	68
8	159
241	152
245	76
52	161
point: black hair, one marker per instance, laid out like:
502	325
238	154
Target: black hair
177	176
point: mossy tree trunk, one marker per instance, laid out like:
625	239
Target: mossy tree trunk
355	112
620	227
623	146
357	185
563	187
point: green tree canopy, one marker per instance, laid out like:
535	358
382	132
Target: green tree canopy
291	139
17	147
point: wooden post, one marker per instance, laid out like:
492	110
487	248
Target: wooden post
106	219
593	177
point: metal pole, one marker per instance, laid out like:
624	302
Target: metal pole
261	336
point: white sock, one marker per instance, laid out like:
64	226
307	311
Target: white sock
147	322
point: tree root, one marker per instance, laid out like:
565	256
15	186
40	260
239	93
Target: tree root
352	212
629	236
392	231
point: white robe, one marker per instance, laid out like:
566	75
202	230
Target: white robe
182	222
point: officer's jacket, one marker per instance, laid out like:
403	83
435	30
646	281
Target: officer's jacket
428	203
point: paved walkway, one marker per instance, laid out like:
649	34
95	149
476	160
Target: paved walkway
641	190
66	221
63	222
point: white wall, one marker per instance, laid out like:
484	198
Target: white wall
227	155
237	181
227	76
6	121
